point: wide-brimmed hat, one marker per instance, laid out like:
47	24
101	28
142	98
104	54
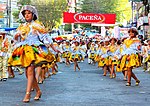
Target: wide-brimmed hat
58	41
2	31
93	40
133	30
113	38
101	41
29	8
76	40
55	44
92	43
106	39
67	41
147	40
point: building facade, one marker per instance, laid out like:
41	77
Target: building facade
6	11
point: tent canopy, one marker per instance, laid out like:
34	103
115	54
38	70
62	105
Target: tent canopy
9	29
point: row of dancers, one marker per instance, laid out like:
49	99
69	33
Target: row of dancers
111	54
34	49
123	55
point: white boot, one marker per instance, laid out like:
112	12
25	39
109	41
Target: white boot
148	67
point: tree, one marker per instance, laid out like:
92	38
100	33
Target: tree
124	11
99	6
120	7
50	11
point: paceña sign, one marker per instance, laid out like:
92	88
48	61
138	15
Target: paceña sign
95	18
89	18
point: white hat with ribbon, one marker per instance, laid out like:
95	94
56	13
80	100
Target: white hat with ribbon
29	8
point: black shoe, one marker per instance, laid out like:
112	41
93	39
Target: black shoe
4	79
11	76
128	84
137	83
40	82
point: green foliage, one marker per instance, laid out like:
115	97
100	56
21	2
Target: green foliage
123	10
24	2
99	6
120	7
67	27
16	14
50	11
136	0
86	26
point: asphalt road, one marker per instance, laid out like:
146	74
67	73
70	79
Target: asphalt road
87	87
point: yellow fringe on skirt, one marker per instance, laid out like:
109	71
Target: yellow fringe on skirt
128	61
26	55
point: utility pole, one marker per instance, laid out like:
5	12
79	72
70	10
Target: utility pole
132	12
9	13
8	24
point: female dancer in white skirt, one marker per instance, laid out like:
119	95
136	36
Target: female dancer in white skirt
31	51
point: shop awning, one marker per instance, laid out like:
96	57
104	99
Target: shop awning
8	29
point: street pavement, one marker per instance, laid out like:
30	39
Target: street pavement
87	87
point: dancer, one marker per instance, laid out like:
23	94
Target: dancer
67	50
146	56
83	50
31	51
4	47
75	54
112	57
105	57
92	53
128	61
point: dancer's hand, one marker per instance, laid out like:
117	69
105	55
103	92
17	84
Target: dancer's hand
34	32
56	50
139	47
128	57
17	36
116	57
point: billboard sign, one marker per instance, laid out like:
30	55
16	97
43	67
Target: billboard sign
89	18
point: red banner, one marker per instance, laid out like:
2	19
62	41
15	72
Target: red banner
89	18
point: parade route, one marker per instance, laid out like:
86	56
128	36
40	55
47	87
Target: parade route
87	87
74	52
